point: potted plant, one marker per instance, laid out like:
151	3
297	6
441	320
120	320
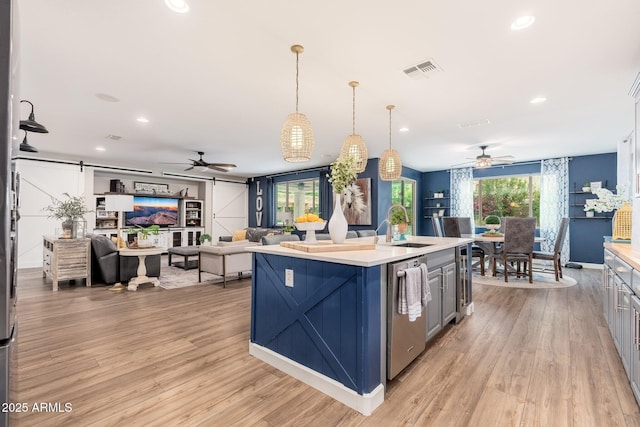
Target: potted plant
70	210
205	239
492	222
287	229
142	238
586	187
398	219
343	173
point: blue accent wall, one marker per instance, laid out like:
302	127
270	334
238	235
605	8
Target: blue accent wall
585	235
328	321
380	195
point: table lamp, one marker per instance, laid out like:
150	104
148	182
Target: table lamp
119	203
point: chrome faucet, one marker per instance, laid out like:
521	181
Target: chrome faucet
406	217
375	239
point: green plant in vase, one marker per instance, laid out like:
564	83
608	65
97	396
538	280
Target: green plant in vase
492	222
69	210
205	239
398	218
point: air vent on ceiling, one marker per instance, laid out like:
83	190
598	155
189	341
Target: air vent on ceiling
113	137
424	69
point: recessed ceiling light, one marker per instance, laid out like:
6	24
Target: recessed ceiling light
179	6
522	22
142	120
404	129
101	149
538	100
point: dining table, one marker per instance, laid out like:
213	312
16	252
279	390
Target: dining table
489	242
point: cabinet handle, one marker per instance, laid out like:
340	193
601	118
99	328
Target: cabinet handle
637	331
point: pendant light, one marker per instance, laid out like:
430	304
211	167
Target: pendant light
296	137
30	125
25	146
354	145
390	166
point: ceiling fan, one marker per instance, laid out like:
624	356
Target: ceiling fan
201	163
486	161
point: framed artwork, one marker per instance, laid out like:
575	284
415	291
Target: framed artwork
102	214
356	202
147	187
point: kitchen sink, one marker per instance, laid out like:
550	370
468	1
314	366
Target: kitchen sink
412	245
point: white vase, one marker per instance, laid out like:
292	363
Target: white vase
338	226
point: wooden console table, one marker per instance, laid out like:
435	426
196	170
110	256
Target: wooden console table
66	259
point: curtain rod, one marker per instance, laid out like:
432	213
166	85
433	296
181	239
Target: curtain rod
533	162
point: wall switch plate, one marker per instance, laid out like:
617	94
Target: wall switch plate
288	277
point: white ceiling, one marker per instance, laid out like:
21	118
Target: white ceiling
221	79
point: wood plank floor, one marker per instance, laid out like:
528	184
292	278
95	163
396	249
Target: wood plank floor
160	357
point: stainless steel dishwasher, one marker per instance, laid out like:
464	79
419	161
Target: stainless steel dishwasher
405	340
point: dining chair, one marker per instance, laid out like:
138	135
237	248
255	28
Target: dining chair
557	248
519	237
455	226
437	226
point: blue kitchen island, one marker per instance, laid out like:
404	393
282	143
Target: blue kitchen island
322	317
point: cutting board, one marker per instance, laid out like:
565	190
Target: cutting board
328	246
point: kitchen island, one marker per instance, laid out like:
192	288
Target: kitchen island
322	317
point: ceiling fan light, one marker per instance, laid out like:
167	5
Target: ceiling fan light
483	163
354	147
390	166
296	138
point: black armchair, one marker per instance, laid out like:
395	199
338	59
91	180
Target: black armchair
108	267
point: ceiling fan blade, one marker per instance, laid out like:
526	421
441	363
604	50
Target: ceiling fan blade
172	163
189	168
219	168
501	158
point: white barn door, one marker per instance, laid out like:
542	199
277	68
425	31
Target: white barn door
39	182
229	203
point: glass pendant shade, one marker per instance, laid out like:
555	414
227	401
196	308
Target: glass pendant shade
354	146
390	166
296	138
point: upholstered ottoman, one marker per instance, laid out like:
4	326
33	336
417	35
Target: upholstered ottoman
186	252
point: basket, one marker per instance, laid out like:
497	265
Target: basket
622	223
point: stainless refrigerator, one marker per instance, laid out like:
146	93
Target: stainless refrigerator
9	189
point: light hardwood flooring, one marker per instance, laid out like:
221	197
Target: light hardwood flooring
160	357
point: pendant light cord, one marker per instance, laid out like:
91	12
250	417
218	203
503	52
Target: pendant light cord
297	56
389	128
354	110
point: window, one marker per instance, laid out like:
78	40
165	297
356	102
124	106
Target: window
293	198
507	196
402	191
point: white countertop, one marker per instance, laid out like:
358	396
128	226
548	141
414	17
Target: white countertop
383	254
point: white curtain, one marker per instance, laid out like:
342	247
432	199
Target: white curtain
462	193
554	203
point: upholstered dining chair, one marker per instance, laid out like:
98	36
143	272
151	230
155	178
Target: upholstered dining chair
519	237
455	226
557	248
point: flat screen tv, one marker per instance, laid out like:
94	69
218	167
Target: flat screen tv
153	211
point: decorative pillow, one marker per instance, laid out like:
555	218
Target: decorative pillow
254	234
239	235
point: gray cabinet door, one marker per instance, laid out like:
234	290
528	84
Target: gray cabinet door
448	293
607	298
634	362
626	339
434	307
